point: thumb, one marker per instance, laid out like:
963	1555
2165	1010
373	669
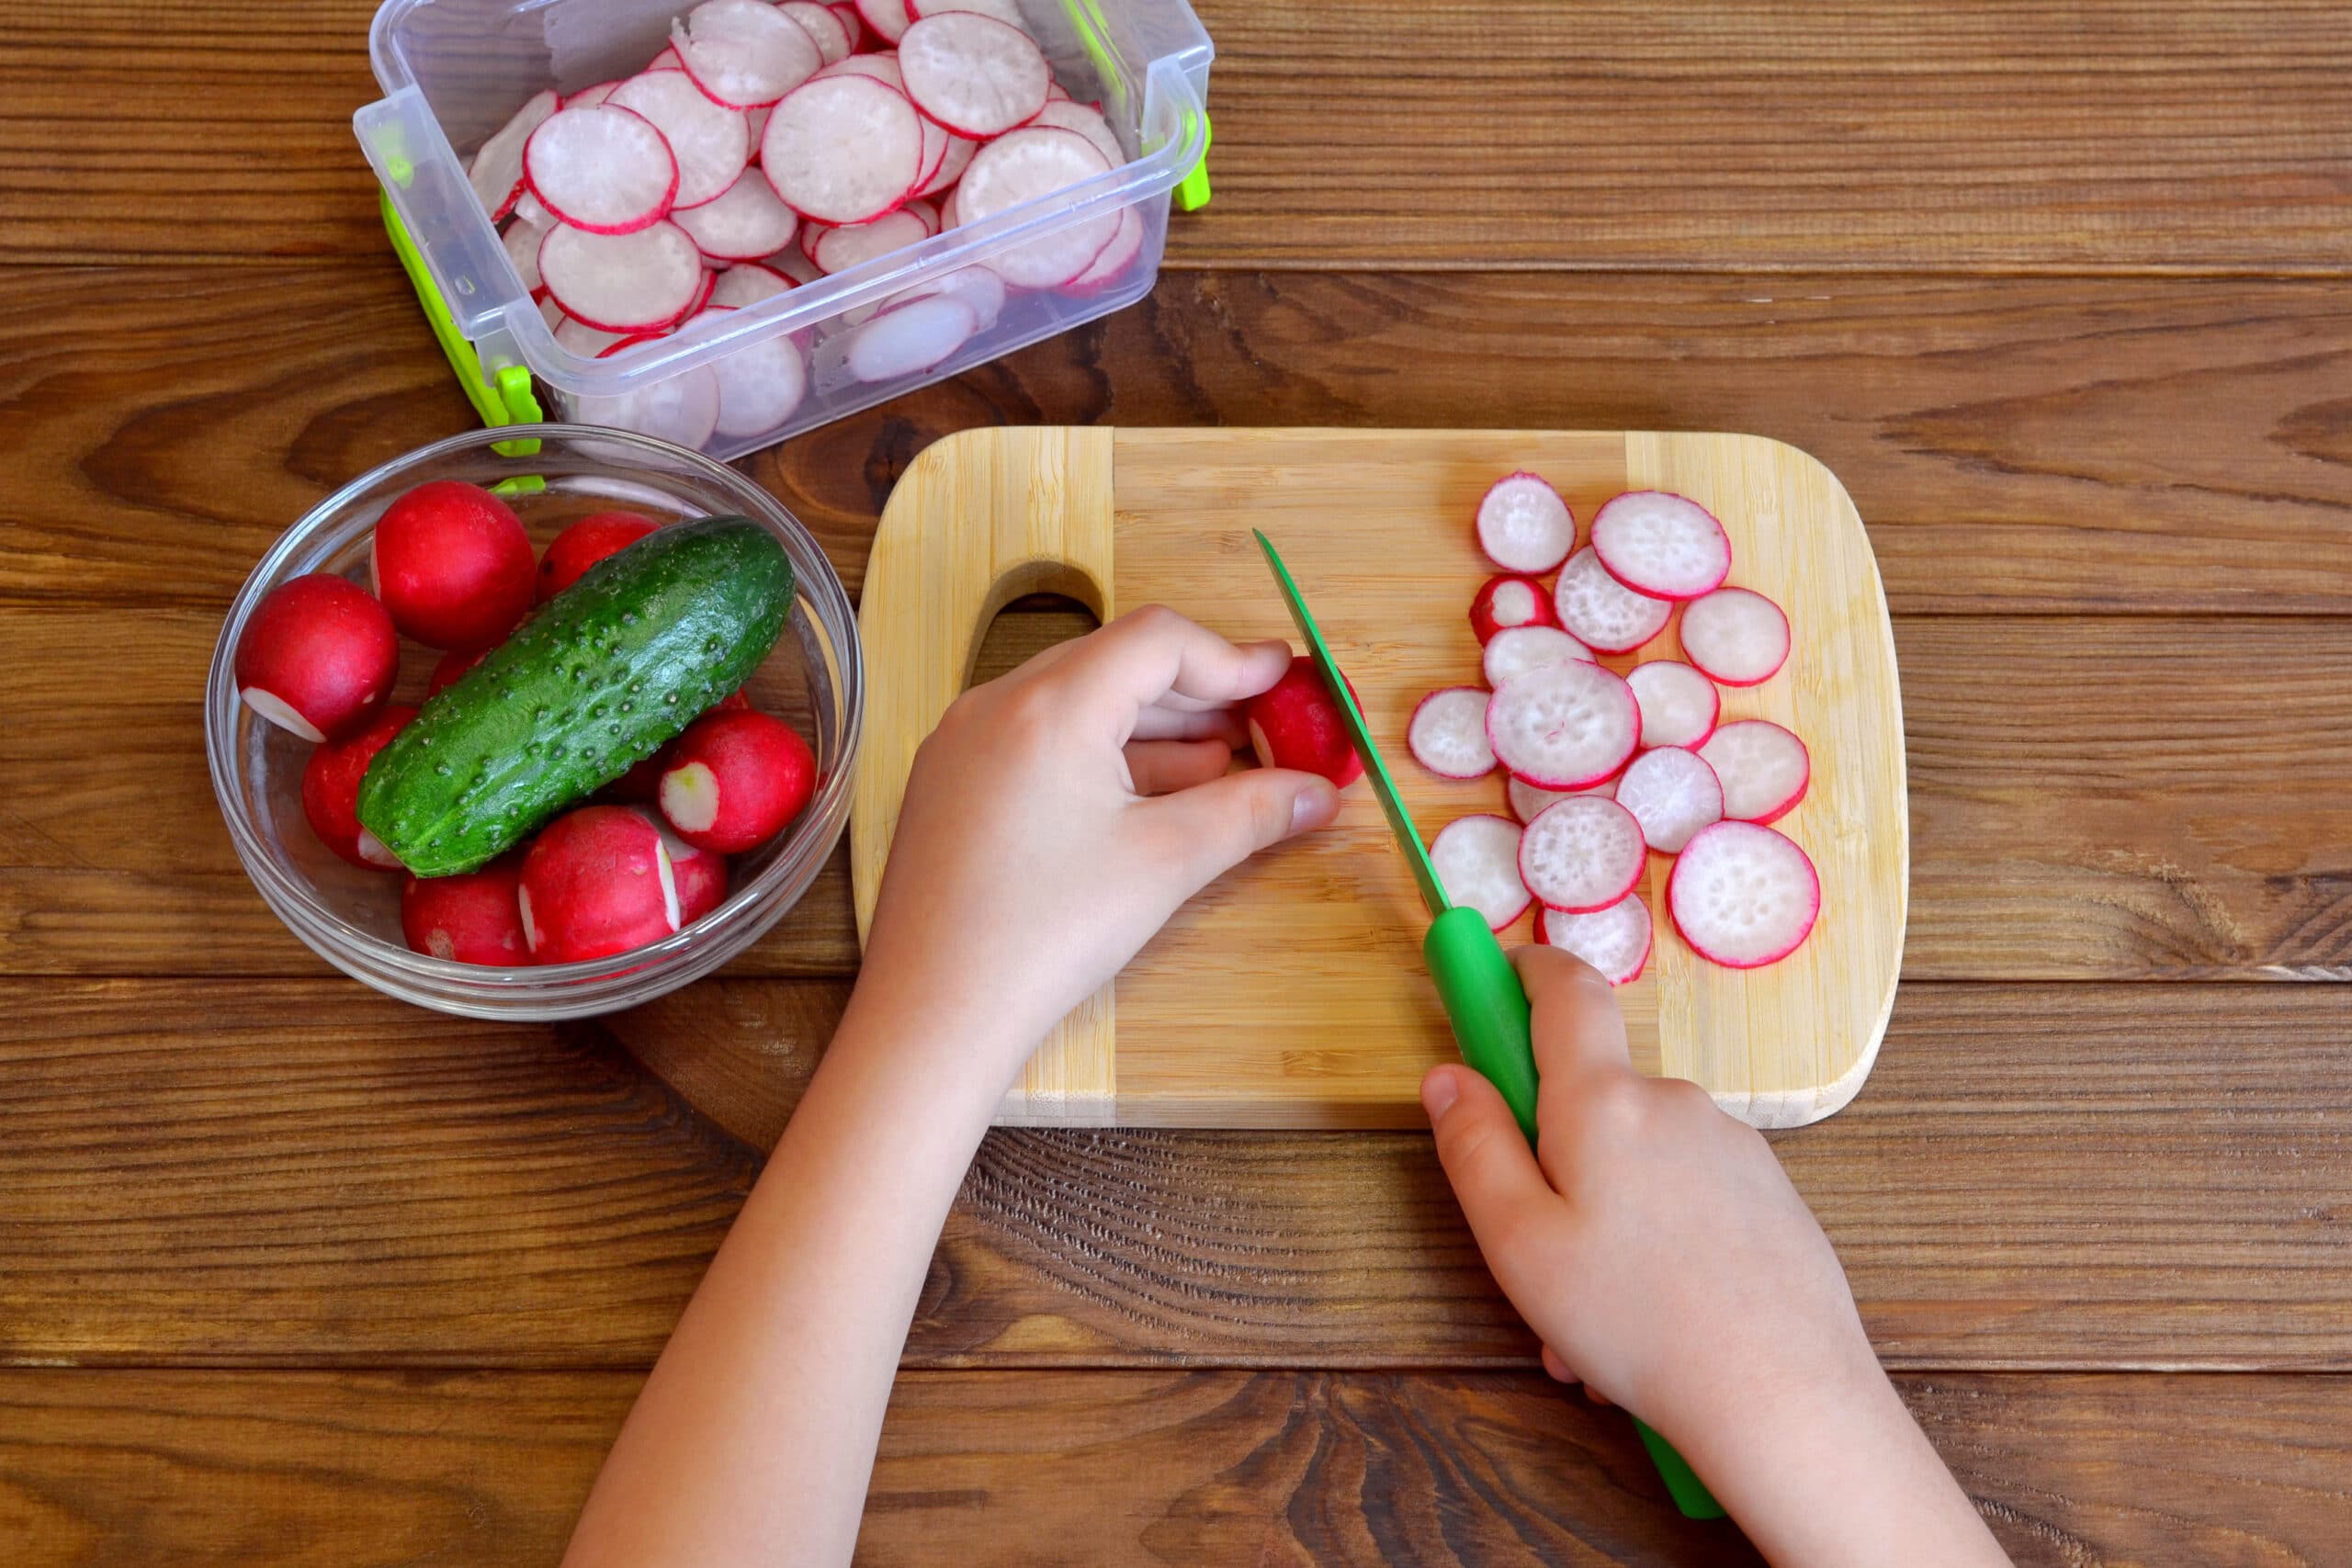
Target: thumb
1486	1157
1211	827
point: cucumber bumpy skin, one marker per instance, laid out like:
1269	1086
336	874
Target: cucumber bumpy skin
593	682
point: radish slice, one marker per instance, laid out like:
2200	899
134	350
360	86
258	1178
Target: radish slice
975	285
605	168
743	53
1615	940
1514	650
853	244
826	30
496	172
1476	861
712	143
623	283
972	73
1564	725
881	67
1661	544
589	342
553	314
1680	706
522	241
683	408
589	97
1004	11
1448	734
748	284
1737	636
1527	801
1027	165
528	210
1523	525
1609	616
760	385
1765	769
1582	853
911	338
1509	600
793	263
935	141
747	222
1062	115
842	149
666	61
1743	896
888	17
1672	794
1124	246
926	213
951	168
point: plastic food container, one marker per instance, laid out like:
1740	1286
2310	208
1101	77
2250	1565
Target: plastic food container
454	71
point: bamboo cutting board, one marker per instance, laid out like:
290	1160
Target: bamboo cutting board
1291	993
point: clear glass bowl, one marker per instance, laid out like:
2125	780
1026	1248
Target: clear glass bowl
350	916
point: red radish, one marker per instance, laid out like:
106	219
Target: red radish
1582	853
1527	801
750	221
760	385
740	54
1509	600
1737	636
1005	11
642	783
1524	527
1476	861
735	779
597	881
496	172
973	73
1296	723
601	168
912	338
1765	769
473	918
681	408
748	284
1603	613
1564	725
888	18
1661	544
1032	165
700	876
451	669
827	31
1680	706
453	565
1743	896
331	790
1672	794
1615	940
1514	650
711	143
1448	734
846	245
731	702
842	149
318	657
638	282
585	542
1062	115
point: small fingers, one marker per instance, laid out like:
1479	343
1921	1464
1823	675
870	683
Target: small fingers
1578	1027
1164	720
1163	767
1149	654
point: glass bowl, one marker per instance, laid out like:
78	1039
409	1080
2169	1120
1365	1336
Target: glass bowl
349	916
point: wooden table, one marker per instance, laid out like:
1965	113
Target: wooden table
290	1273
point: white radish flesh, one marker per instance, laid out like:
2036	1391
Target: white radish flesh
1737	636
854	245
711	143
1661	544
760	385
911	338
602	168
1526	800
888	18
1062	115
972	73
1765	768
1029	165
1615	940
881	67
623	283
743	53
1680	706
1476	861
1515	650
1672	794
1523	525
750	221
1564	725
496	172
825	30
683	408
1582	853
1603	613
1743	896
842	149
748	284
1448	734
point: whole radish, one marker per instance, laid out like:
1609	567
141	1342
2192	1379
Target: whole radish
474	918
597	881
735	779
1296	723
584	544
454	565
318	657
331	790
642	782
450	670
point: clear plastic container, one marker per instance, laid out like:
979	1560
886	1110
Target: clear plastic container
454	71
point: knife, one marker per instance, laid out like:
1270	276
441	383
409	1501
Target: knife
1480	990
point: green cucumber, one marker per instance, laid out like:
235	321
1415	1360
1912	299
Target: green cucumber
593	683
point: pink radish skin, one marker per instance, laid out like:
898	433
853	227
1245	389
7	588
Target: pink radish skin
1477	860
453	565
1116	257
735	779
1524	527
473	918
1447	734
711	143
1296	723
1672	794
1736	636
1527	801
842	149
1601	612
602	168
1765	768
318	657
450	669
1506	601
1582	853
1615	940
496	171
1680	706
331	790
743	53
1564	725
587	341
582	545
596	882
972	73
1743	896
1661	544
1515	650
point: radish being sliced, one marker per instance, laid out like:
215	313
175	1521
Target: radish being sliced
522	241
1526	800
972	73
912	338
853	244
1606	614
589	97
683	408
1737	636
951	169
888	18
1615	940
711	143
1062	115
496	172
842	149
1672	794
1680	706
1509	600
1029	165
1514	650
1564	725
602	168
1448	734
1765	768
760	384
750	221
1743	896
747	283
1523	525
1582	853
1124	246
1476	861
826	30
1661	543
622	283
1004	11
743	53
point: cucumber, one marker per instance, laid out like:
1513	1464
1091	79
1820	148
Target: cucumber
593	682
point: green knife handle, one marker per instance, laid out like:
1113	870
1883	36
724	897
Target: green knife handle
1488	1007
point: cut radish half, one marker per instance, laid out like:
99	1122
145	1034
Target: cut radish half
1615	940
1582	853
666	61
522	241
887	18
1564	725
912	338
683	408
974	74
951	168
747	222
748	284
623	283
1124	246
1062	115
589	342
1514	650
1028	166
602	168
1672	794
496	172
1609	616
1765	768
711	143
826	30
1523	525
1737	636
1743	896
1661	543
1004	11
1527	801
853	244
589	97
1448	734
743	53
760	385
1509	600
1680	706
842	149
1476	861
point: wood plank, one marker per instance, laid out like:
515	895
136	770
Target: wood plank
294	1173
2045	445
260	1471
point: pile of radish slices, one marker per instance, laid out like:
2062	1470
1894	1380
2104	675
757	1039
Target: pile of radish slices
1606	769
770	145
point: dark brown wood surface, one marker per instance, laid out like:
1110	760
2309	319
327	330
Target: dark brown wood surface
289	1272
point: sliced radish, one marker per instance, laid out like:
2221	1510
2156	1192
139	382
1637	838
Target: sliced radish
1115	257
582	545
589	342
1448	734
911	338
1296	723
748	283
450	669
683	408
1476	861
826	30
1056	93
597	881
924	213
1606	614
623	283
604	168
529	209
1004	11
888	18
1661	543
760	385
1061	114
1564	725
496	172
473	918
793	266
1743	896
975	284
1672	794
750	221
974	74
666	61
1765	768
331	790
1509	600
957	159
453	565
1523	525
1737	636
1615	940
1582	853
1030	165
1680	706
735	779
846	245
711	143
743	53
842	149
935	140
1526	800
854	24
1514	650
881	67
522	241
589	97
